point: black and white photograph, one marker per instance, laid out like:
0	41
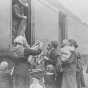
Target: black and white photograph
44	44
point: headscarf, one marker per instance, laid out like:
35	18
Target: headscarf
21	40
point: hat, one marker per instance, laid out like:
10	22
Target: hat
73	42
24	2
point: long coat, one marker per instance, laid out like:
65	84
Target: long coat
69	74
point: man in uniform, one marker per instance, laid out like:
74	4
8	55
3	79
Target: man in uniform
19	17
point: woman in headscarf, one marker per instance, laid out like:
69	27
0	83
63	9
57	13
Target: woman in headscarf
69	59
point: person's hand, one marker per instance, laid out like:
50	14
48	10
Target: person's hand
25	17
26	4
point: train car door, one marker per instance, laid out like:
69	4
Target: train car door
5	14
21	19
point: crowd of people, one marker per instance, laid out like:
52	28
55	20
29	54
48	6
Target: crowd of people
52	66
44	65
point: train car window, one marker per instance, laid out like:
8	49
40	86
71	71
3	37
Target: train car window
21	19
62	26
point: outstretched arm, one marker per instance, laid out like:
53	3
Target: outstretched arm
28	52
